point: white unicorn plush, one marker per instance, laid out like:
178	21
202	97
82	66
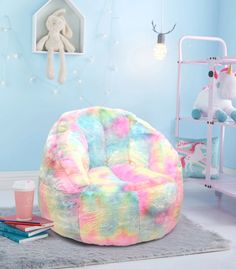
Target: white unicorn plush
224	91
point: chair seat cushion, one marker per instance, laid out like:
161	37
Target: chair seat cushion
103	175
138	177
122	202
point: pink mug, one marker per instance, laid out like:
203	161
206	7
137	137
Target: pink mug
24	199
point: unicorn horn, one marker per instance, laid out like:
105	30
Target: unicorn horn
230	70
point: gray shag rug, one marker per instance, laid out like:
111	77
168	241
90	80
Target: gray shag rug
57	252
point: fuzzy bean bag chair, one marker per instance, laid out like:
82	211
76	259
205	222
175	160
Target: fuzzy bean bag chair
109	178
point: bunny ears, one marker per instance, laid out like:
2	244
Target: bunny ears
66	31
59	12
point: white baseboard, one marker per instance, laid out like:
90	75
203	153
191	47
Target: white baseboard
230	171
7	178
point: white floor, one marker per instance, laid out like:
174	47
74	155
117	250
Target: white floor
200	205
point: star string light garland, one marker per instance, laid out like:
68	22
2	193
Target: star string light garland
101	35
4	29
111	63
9	56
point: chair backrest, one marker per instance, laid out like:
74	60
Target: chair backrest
113	136
93	137
107	133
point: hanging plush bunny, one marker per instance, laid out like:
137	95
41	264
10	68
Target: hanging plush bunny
56	40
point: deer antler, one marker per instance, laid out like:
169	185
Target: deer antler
170	30
166	33
154	28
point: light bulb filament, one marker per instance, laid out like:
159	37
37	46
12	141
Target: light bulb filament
160	51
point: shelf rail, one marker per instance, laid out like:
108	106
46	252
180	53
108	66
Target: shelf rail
212	62
201	38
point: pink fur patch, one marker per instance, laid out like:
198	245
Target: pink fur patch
121	126
143	201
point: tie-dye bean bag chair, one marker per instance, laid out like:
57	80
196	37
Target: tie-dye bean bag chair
109	178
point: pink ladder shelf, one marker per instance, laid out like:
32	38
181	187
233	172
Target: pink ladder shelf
226	183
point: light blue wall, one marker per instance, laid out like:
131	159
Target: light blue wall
141	84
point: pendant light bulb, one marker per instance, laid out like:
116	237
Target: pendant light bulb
160	49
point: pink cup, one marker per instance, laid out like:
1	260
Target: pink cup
24	199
